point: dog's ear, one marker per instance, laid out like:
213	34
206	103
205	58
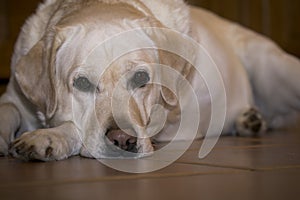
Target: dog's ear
168	96
35	74
174	14
175	71
168	80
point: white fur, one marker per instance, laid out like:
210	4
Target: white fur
256	73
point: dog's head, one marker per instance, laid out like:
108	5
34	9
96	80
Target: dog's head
99	69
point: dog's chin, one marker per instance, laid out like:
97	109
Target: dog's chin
120	154
124	155
111	151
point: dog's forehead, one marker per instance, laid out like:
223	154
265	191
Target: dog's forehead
99	14
94	35
124	66
132	61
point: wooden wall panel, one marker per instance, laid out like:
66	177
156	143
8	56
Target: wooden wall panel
12	15
290	37
4	69
278	19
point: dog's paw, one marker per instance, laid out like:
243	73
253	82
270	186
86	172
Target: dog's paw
40	145
250	123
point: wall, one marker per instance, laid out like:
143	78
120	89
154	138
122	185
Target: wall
12	15
278	19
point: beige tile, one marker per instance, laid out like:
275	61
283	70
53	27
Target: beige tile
278	150
237	168
80	170
281	184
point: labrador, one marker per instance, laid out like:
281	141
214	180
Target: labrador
90	78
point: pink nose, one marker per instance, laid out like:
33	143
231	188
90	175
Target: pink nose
122	140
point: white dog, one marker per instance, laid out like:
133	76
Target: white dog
68	68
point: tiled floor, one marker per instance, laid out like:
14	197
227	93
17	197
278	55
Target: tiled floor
238	168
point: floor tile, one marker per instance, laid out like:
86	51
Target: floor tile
16	174
237	168
273	185
269	152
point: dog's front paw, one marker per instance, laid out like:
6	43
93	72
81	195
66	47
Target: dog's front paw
40	145
250	123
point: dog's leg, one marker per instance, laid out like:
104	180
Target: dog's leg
250	123
48	144
274	75
10	120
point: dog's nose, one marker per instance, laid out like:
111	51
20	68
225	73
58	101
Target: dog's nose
123	140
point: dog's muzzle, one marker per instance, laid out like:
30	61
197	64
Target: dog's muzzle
120	144
122	140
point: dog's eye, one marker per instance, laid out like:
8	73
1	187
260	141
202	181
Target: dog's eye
83	84
140	79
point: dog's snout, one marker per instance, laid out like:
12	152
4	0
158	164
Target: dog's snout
122	140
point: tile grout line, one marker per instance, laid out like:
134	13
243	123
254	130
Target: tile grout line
248	146
251	169
219	166
278	168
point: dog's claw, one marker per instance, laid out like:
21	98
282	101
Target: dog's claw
39	146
